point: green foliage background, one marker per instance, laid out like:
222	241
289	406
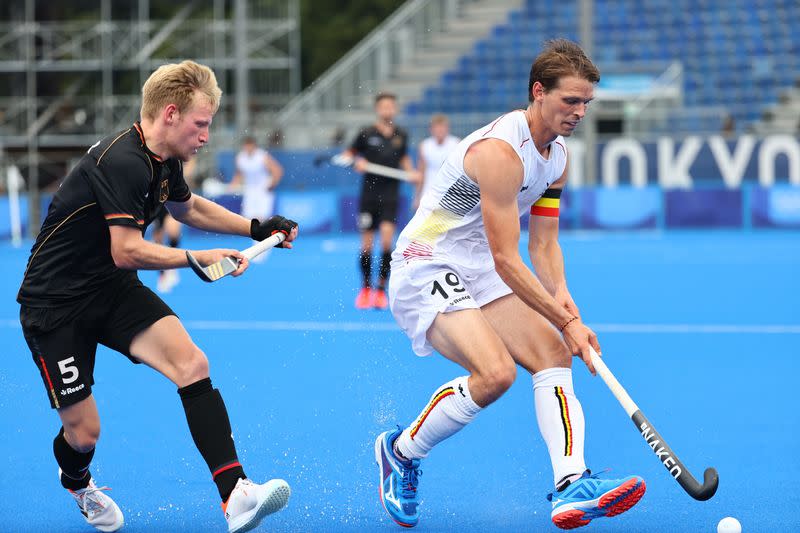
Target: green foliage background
330	28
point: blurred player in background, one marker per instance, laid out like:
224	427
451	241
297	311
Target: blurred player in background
165	223
385	144
257	173
80	288
432	153
460	286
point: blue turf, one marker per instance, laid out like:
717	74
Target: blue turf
309	386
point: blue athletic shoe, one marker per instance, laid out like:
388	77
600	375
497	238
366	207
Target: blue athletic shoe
399	481
590	497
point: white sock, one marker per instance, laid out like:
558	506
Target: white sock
561	421
450	408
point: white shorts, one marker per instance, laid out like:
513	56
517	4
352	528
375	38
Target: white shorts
420	290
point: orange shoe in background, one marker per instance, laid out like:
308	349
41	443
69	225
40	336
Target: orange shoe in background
364	298
379	299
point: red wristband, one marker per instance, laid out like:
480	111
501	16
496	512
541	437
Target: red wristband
561	329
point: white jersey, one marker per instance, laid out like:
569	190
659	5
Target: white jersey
255	174
434	154
448	226
257	200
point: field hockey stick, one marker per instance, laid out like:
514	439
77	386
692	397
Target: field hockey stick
371	168
227	265
655	441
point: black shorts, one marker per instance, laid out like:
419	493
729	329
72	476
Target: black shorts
375	207
63	340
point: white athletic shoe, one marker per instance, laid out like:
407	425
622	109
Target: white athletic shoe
249	503
167	281
97	508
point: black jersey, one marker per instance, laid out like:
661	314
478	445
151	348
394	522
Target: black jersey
119	181
386	151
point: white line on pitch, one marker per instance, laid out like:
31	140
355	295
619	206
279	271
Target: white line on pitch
270	325
291	326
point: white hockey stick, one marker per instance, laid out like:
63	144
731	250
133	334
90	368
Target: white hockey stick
371	168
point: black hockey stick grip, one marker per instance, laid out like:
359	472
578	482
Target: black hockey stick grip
674	465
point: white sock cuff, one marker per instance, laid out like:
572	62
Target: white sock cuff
463	399
554	377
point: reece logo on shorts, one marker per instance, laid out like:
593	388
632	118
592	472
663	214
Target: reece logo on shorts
70	390
460	299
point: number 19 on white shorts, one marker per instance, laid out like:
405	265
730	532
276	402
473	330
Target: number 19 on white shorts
419	291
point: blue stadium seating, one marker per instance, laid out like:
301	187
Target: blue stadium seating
737	54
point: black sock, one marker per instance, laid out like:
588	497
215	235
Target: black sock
211	431
74	464
383	275
365	260
174	241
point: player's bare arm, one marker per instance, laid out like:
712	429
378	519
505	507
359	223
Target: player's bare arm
131	251
546	255
236	181
202	213
497	169
413	175
275	170
421	182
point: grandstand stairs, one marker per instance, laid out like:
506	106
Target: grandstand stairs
307	126
429	63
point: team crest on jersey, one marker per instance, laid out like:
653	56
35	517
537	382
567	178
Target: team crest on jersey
397	141
164	194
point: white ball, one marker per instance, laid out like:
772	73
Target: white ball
729	525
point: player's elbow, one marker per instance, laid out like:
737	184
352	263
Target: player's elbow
503	263
123	257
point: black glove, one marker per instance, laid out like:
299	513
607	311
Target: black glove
274	224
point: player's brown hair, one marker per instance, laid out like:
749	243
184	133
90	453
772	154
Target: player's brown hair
176	83
383	95
560	58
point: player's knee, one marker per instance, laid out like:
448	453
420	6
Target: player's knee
83	438
553	351
498	377
192	367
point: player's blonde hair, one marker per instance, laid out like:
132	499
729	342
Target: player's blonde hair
561	58
439	118
176	83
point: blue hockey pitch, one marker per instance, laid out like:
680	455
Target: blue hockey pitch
702	329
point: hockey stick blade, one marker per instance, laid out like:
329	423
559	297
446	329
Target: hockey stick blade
674	465
214	271
228	265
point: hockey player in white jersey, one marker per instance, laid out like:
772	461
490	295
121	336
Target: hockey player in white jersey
432	153
459	286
